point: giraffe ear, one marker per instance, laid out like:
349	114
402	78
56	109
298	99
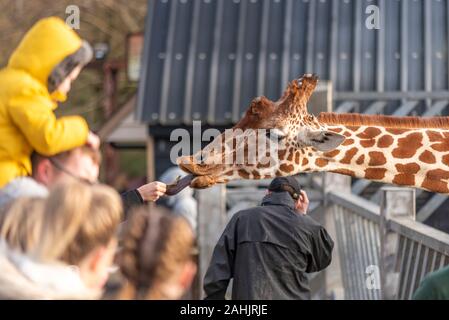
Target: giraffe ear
323	140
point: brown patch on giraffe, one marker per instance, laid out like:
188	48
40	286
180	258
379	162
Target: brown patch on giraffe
376	158
287	168
281	154
242	173
412	168
229	173
320	162
435	136
361	159
345	172
427	157
396	130
336	130
385	141
297	157
408	146
369	133
348	156
290	156
332	154
347	134
305	161
441	139
348	142
367	143
442	146
433	181
445	159
375	173
406	175
353	128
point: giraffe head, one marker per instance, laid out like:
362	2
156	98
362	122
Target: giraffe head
267	142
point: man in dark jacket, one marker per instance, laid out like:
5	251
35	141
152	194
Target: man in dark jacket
268	250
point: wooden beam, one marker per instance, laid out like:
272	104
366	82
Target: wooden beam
108	127
151	170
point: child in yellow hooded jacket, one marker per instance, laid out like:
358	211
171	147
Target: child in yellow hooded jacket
38	76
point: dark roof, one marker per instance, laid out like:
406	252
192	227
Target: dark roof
206	59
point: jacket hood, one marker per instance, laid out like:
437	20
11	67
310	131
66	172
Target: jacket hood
45	45
23	278
21	187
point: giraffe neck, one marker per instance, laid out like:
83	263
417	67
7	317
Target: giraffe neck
408	157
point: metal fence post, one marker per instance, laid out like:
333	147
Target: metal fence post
333	274
211	221
396	203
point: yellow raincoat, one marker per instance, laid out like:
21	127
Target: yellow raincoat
27	121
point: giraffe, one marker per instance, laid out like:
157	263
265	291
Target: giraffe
405	151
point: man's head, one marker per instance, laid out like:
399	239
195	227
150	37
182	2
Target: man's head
81	163
291	185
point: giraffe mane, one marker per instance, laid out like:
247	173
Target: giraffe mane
357	119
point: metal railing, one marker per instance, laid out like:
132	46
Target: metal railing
421	250
383	252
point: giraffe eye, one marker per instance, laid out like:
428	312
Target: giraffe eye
275	134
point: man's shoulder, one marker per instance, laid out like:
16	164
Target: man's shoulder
22	187
268	212
248	212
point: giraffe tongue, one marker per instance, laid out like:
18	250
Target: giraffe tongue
197	182
179	185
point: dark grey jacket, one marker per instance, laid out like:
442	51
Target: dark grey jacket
267	250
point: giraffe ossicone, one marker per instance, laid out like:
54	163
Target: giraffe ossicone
407	151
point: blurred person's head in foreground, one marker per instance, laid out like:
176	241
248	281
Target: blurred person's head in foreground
81	164
156	256
20	223
70	252
78	164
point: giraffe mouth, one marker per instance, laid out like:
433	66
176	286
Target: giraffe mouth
188	164
203	175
